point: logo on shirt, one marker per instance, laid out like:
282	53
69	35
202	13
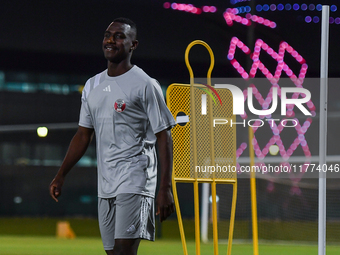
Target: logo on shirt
119	105
107	89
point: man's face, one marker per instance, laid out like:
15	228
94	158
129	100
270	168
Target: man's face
119	41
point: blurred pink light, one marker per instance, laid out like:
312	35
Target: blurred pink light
213	9
206	9
244	146
189	7
183	7
166	5
277	128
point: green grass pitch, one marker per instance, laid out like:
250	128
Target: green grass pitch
23	245
36	236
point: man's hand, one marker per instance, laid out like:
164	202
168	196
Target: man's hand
165	200
55	187
165	203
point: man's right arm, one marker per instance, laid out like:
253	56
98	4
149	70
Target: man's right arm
76	150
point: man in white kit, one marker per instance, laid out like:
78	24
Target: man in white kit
126	110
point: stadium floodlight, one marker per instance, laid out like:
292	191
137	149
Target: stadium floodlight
42	131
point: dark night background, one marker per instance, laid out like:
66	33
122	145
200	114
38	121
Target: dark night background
65	36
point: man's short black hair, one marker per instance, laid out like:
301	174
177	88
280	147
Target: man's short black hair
128	22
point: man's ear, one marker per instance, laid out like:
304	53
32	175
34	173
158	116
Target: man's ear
134	45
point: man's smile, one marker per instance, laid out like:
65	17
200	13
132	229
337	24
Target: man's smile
110	47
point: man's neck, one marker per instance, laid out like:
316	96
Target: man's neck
114	69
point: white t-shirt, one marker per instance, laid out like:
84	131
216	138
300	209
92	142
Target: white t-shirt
126	112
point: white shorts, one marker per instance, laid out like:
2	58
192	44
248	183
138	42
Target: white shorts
127	216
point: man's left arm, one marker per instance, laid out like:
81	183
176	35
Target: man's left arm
165	200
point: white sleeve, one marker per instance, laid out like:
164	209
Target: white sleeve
158	113
85	119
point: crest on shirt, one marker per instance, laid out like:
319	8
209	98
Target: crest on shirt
119	105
